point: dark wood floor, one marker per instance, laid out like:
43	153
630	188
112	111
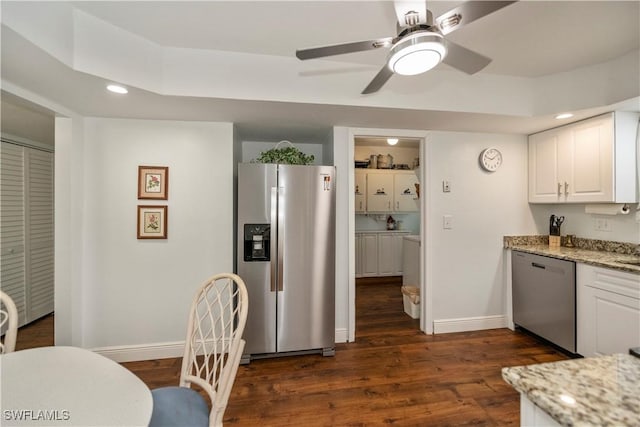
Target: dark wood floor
392	374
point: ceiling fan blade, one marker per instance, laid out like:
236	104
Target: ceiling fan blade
339	49
464	59
378	81
467	13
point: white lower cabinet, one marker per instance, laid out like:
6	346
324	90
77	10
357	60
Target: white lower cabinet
532	416
379	254
367	252
607	310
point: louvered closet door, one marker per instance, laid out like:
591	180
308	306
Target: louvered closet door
12	226
39	224
26	256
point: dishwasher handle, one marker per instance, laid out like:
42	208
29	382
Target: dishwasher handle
536	265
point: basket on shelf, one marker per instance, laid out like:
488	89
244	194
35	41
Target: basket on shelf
288	156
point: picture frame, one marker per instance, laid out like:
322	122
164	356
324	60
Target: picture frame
152	221
153	182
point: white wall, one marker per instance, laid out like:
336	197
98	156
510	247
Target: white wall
465	263
345	243
624	228
409	222
137	292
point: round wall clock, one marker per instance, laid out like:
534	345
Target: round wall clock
490	159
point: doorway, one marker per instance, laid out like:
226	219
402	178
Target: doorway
27	259
387	208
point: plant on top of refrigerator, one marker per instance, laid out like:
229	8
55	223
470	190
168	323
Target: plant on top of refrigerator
288	156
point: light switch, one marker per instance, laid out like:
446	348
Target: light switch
447	222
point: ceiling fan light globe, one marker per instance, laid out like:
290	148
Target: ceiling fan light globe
416	54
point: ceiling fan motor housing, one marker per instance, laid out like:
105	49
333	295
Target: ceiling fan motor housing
416	53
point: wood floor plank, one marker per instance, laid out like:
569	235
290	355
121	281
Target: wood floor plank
392	375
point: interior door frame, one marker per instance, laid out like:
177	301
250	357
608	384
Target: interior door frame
426	312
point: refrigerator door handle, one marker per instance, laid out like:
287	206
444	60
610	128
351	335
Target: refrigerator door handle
274	228
281	222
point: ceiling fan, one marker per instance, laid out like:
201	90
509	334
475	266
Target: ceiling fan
420	44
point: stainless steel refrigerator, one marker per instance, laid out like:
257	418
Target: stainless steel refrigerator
286	256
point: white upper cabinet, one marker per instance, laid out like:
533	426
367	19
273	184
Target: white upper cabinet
386	191
360	191
589	161
379	192
404	192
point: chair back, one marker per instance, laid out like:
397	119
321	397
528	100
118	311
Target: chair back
8	323
214	341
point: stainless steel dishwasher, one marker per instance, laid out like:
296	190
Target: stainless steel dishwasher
544	297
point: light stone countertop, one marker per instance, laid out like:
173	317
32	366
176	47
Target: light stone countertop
593	252
383	231
596	391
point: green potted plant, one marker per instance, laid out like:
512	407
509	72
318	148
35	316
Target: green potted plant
288	156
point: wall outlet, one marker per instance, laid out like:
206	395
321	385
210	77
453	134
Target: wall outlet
446	187
447	222
602	224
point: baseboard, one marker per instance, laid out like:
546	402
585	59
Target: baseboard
342	335
134	353
466	324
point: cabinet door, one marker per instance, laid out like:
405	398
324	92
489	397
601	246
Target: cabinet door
543	167
379	192
386	258
608	311
398	253
369	245
404	192
360	191
587	174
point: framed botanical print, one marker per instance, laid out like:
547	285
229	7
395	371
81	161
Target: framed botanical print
153	182
152	222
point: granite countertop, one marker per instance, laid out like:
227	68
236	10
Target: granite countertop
383	231
597	391
593	252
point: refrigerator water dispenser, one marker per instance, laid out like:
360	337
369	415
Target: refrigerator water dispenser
256	242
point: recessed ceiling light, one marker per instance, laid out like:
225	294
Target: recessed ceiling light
392	141
564	116
117	89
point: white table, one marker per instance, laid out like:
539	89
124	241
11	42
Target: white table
70	386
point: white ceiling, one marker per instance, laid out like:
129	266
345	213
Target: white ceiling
527	40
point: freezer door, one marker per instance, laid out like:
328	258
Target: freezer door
306	257
256	194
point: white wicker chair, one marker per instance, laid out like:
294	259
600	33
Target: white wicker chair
212	354
8	323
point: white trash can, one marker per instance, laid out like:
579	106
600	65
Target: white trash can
411	301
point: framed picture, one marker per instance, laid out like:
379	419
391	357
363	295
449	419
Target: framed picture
152	222
153	182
